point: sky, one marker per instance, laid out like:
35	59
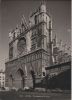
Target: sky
11	13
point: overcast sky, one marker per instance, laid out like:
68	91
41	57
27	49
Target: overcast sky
12	11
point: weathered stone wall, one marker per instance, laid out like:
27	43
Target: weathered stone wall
32	61
57	69
31	53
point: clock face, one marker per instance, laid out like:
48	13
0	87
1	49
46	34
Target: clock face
21	45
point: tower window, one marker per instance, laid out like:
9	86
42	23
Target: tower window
46	23
36	19
11	52
14	35
43	73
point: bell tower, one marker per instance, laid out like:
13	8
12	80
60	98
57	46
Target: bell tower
41	37
41	30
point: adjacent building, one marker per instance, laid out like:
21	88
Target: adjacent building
2	79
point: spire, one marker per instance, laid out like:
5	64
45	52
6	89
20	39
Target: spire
43	2
24	25
42	7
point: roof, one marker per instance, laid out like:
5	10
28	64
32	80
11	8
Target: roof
58	65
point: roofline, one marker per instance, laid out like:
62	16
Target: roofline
56	65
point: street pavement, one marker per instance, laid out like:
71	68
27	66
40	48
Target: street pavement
12	95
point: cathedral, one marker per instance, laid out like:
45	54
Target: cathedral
30	50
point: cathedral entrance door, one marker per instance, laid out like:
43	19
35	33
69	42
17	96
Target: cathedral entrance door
11	81
20	78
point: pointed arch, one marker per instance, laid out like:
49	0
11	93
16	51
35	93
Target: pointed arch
33	77
20	80
11	80
21	72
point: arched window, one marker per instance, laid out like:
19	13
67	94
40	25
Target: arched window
35	19
33	77
11	80
21	46
43	73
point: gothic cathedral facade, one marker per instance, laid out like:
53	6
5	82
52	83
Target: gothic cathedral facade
30	49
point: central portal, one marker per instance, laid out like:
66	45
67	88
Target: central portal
20	81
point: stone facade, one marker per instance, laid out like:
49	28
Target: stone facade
30	49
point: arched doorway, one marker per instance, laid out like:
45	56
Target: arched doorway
19	77
33	77
11	80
